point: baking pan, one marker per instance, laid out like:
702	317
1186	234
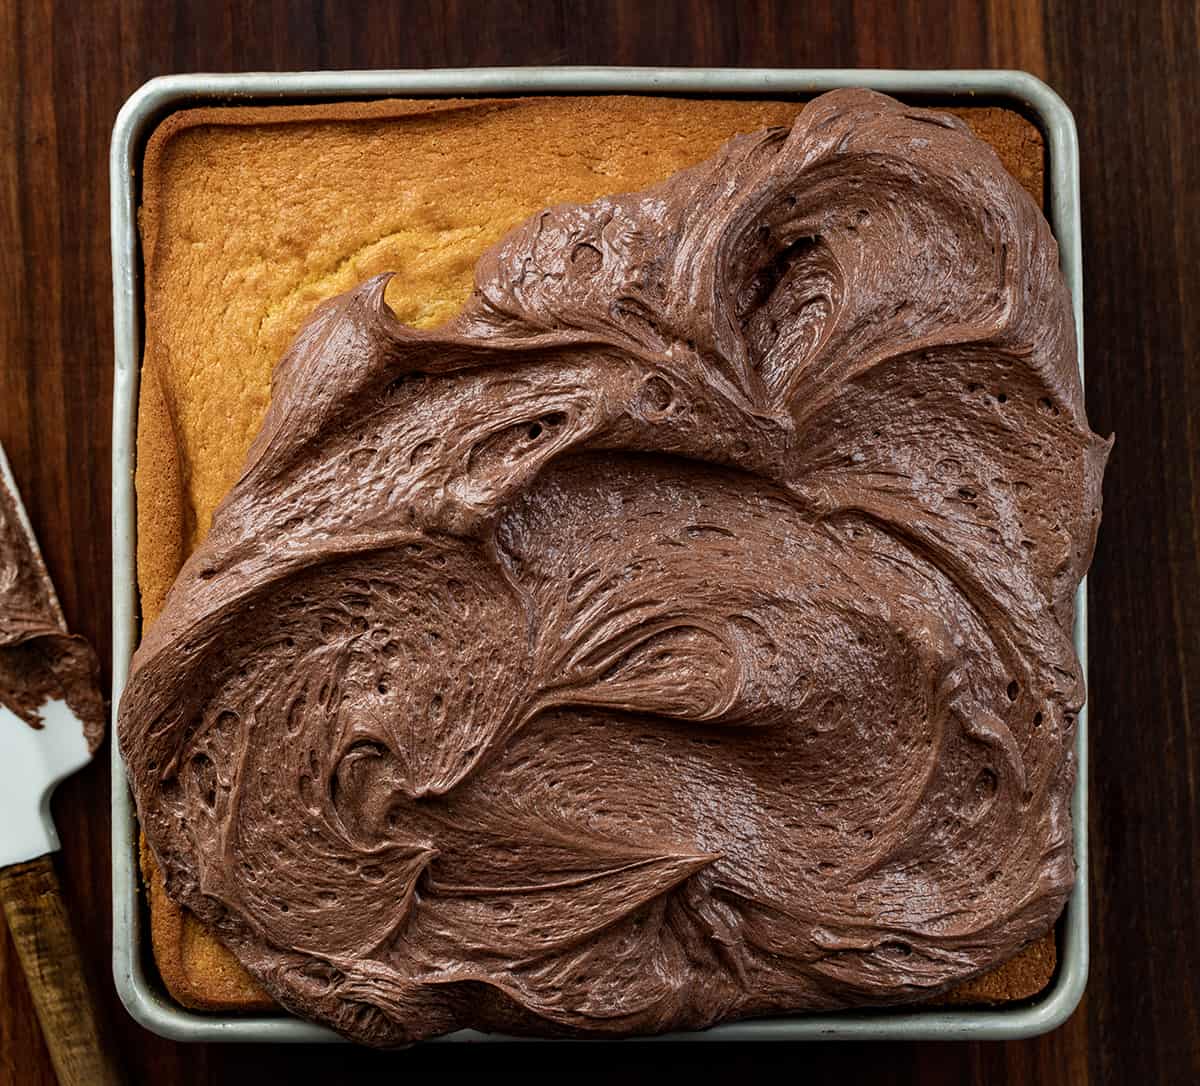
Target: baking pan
135	978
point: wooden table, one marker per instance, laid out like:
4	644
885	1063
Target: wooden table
1130	71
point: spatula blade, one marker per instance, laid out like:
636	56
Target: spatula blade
34	759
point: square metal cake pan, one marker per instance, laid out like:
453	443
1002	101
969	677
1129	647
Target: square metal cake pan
133	971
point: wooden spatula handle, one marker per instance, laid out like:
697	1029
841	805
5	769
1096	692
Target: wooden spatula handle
37	919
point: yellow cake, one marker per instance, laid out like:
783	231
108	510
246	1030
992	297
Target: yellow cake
252	216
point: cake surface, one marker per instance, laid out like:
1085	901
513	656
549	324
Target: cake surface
228	285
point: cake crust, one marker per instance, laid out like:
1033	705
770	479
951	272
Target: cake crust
252	216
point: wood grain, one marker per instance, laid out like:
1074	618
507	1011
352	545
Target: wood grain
41	932
1131	72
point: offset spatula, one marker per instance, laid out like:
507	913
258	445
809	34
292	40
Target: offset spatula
32	761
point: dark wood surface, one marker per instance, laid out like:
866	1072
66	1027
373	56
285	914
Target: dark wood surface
1131	72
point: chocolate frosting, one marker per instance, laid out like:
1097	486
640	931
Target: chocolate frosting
681	633
39	660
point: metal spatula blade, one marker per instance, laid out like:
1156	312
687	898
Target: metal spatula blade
33	761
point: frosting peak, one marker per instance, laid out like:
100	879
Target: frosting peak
683	632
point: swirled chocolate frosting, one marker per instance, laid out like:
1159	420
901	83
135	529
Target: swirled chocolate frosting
39	660
682	633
